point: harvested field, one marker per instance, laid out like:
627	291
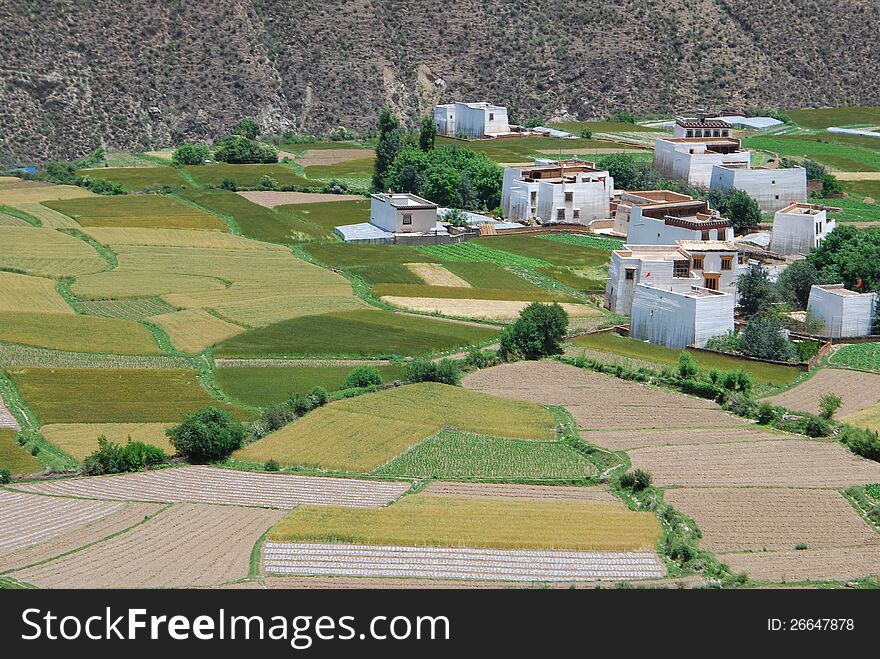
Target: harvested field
47	252
857	390
29	518
626	440
193	330
77	333
420	520
30	294
399	583
434	274
836	564
598	401
483	309
80	439
75	537
457	563
777	463
758	518
18	193
199	484
595	493
187	545
48	217
271	199
176	238
331	156
138	211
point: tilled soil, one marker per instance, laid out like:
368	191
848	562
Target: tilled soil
857	391
520	492
632	439
333	156
831	564
186	545
346	583
758	518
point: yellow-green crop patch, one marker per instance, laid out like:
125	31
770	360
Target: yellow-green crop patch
248	175
423	520
462	293
82	395
14	457
30	294
47	252
136	179
360	434
329	214
77	333
79	440
139	212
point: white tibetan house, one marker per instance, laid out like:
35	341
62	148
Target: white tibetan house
667	222
473	120
799	229
681	319
569	192
771	188
844	313
402	213
696	146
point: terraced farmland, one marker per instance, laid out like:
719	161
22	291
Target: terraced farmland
248	175
47	253
30	295
137	179
81	439
863	356
857	391
77	333
14	457
225	487
137	211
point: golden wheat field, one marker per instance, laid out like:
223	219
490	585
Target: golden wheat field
16	193
30	294
193	330
47	252
145	211
176	238
48	217
80	439
77	333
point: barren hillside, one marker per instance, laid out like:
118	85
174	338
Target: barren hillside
144	73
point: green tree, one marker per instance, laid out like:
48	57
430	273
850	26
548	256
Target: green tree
538	332
627	172
763	338
849	255
362	376
736	206
795	281
207	435
687	367
828	405
420	369
427	133
756	291
387	147
456	217
830	185
191	154
248	128
238	149
586	133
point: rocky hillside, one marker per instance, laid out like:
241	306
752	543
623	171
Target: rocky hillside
147	73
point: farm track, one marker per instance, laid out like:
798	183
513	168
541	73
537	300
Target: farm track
226	487
29	519
6	418
187	545
520	492
457	563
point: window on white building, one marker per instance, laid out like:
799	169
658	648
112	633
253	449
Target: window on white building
407	219
569	197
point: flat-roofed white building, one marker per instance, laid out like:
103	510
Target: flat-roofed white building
571	192
771	188
625	201
800	228
475	120
678	319
402	213
668	222
701	126
844	313
710	264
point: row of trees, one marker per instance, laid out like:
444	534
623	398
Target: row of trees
240	147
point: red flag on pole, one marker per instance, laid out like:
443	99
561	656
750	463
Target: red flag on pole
649	274
859	283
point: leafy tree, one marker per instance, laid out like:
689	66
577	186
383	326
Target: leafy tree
687	367
247	128
756	291
206	435
362	376
737	206
387	148
636	480
815	170
828	405
795	281
191	154
586	133
427	133
628	173
268	183
238	149
456	217
623	116
538	332
111	458
849	255
763	338
445	371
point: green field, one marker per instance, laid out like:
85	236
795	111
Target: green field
136	179
366	333
248	176
363	433
582	279
582	240
386	273
137	211
489	275
525	149
828	149
615	344
340	255
863	356
265	385
462	293
456	455
853	208
359	171
825	117
422	520
477	251
296	147
865	188
601	127
553	251
78	333
15	458
254	220
329	214
80	395
126	309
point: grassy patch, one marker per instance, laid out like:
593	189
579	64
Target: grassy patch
340	255
825	117
329	214
524	149
137	211
866	418
136	308
360	434
455	455
602	127
827	150
489	275
248	176
47	252
863	356
360	169
363	333
582	279
421	520
386	273
77	333
581	240
551	251
136	179
614	343
480	252
264	385
853	208
79	440
78	395
14	457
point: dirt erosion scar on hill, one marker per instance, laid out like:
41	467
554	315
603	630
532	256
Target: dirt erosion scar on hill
132	75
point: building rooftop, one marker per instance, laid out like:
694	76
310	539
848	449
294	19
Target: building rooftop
838	289
795	208
707	245
404	200
702	122
362	231
652	252
648	197
695	291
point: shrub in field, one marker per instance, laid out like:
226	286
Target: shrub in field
319	396
687	367
275	417
829	404
5	476
248	128
238	149
267	183
477	359
766	413
191	154
862	442
538	332
207	435
739	403
111	458
816	426
636	480
737	380
271	465
362	376
445	371
801	546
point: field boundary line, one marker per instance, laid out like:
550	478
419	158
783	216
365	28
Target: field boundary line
21	215
229	220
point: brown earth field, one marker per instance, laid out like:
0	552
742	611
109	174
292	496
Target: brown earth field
519	492
778	463
270	199
599	401
333	156
80	536
626	440
856	389
186	545
793	565
760	518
